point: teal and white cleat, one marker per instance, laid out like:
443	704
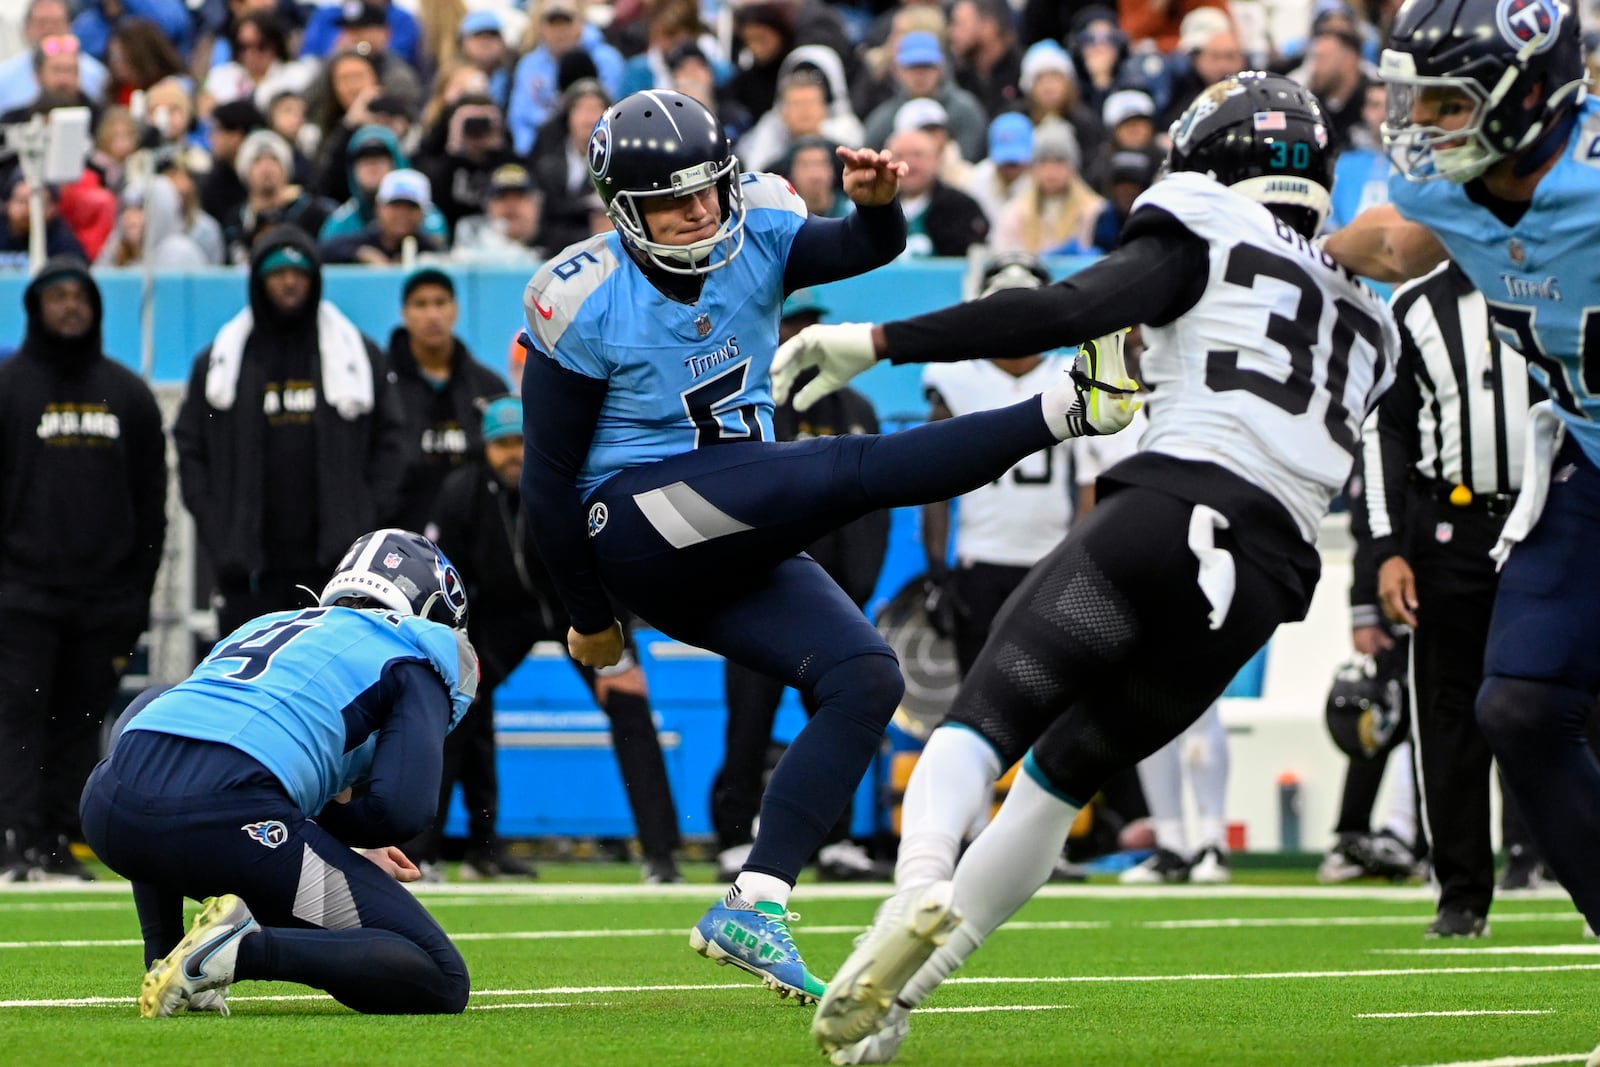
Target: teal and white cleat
203	962
908	928
756	938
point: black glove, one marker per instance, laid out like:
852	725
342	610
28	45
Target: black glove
940	603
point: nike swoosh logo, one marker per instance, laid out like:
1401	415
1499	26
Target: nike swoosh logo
542	310
199	960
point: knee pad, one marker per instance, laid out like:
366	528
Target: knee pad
867	687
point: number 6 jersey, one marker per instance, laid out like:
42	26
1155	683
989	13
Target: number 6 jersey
1272	371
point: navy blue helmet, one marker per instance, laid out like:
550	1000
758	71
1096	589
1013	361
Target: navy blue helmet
1517	64
404	572
662	143
1262	135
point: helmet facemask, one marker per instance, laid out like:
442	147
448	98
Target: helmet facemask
698	257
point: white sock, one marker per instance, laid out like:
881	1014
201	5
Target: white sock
1161	778
949	788
1205	757
756	887
1401	817
1063	409
1005	866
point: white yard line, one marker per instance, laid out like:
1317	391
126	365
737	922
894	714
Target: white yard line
1451	1014
1515	1061
1586	948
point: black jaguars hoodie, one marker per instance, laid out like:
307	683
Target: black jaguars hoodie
83	473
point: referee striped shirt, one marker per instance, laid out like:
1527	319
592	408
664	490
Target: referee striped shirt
1455	415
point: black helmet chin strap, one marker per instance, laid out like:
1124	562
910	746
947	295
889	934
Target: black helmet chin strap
1551	141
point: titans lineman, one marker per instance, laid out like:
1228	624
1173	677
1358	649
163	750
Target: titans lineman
336	714
1499	158
1264	357
651	466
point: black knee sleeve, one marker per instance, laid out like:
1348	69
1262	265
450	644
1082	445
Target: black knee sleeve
1524	720
867	688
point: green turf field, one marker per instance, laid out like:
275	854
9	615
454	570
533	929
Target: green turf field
599	974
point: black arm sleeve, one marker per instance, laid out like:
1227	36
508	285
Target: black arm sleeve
825	250
560	411
403	796
1158	274
1398	445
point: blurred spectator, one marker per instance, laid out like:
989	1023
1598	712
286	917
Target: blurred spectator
1053	211
150	229
59	239
453	82
137	56
1212	51
83	490
1361	173
874	81
404	196
988	63
994	179
116	137
338	105
692	75
1333	72
765	32
1128	174
441	388
671	23
1164	24
816	173
55	71
286	117
328	22
290	439
201	228
374	152
509	226
483	48
804	98
559	29
940	220
169	112
475	144
930	117
364	28
97	19
560	166
1097	46
262	67
852	555
18	85
919	71
1129	117
89	209
265	163
222	191
1050	87
514	604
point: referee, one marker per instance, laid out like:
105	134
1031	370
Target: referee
1442	458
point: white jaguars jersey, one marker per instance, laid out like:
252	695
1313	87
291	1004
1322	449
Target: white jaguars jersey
1271	374
1023	514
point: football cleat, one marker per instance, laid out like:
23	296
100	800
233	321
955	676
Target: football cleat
1210	867
908	928
203	961
881	1045
756	938
1161	867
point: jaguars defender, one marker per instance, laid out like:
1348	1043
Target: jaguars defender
651	467
1497	149
1264	357
302	734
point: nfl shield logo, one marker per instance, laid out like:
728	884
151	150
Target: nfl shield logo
702	325
1443	532
1515	250
392	560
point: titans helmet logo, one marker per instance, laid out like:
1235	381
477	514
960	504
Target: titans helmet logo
1522	22
600	148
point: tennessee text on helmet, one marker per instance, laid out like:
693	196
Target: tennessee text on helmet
1262	135
403	571
661	143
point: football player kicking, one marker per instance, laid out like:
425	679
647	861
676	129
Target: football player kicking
651	469
1264	357
302	735
1498	154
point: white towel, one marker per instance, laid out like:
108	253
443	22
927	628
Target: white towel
1546	430
347	385
1217	575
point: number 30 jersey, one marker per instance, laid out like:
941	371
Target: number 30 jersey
1273	370
1541	276
681	375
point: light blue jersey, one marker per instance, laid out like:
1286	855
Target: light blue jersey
1541	277
288	690
680	375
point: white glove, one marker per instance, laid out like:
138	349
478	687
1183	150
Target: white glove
1104	385
839	352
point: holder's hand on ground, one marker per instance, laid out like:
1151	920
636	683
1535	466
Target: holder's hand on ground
596	650
838	352
1105	388
393	862
871	178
